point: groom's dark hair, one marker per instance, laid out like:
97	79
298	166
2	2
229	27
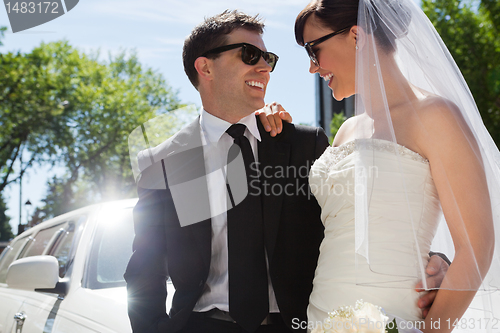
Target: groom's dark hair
211	34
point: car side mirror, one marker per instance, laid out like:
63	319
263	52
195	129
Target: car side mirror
37	272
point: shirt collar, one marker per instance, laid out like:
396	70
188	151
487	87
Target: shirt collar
215	127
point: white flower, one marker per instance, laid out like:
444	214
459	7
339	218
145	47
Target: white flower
371	319
363	318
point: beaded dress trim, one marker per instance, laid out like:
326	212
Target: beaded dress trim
336	154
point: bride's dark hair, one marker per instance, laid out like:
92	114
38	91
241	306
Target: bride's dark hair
339	14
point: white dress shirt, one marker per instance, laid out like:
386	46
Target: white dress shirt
216	143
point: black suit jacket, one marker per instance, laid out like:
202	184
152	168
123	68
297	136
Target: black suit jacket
162	247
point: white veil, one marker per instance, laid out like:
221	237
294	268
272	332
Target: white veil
397	41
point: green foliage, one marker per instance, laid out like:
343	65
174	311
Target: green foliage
337	121
5	229
2	31
392	327
64	195
111	100
31	91
67	108
472	36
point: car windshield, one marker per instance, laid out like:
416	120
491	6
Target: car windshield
111	250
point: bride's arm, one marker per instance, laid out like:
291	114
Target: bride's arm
458	173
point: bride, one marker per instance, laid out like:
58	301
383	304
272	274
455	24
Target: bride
414	166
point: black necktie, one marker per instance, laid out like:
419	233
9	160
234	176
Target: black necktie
248	284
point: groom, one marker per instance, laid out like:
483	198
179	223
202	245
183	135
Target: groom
239	263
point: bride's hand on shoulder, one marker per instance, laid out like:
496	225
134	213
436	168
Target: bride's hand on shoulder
436	270
272	116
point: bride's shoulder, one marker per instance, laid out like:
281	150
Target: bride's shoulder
436	112
442	126
433	103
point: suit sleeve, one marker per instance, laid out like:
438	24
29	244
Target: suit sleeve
146	273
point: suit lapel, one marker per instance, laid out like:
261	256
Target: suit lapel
188	145
273	156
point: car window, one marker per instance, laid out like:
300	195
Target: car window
66	244
111	250
3	253
11	253
40	241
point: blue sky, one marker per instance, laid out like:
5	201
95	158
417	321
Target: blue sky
156	30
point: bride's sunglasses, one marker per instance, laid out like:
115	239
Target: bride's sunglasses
250	54
315	42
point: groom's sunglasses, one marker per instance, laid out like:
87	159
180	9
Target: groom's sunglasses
250	54
315	42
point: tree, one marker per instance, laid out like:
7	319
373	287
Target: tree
337	121
111	181
2	31
471	34
68	108
111	100
32	91
5	229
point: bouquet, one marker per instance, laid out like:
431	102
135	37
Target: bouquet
364	317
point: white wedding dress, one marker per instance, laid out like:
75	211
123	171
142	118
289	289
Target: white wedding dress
342	277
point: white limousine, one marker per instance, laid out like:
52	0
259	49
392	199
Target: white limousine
66	274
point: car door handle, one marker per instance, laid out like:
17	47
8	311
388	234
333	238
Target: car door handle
20	317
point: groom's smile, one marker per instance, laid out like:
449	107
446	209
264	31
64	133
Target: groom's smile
256	84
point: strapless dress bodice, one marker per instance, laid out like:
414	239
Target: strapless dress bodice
403	214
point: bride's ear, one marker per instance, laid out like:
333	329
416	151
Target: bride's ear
358	36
